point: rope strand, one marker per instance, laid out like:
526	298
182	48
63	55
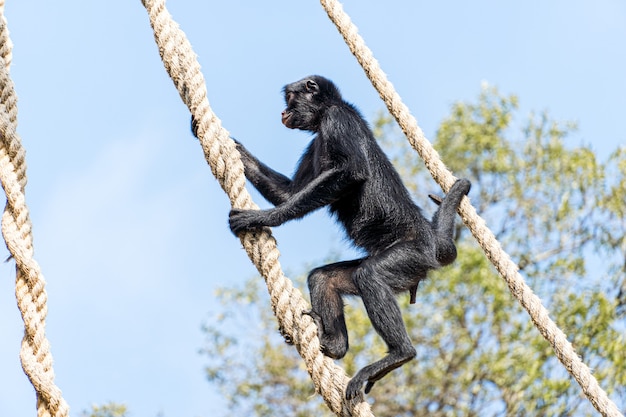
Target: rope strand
486	239
16	228
287	302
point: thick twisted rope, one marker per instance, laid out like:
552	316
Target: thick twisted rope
498	257
16	228
287	302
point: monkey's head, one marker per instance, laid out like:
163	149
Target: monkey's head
307	100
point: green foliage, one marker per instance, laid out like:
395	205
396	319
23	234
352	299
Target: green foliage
558	211
107	410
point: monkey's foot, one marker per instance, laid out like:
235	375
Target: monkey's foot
354	386
332	347
317	319
377	370
285	335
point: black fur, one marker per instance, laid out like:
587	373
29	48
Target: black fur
344	168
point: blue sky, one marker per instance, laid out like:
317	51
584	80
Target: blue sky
130	227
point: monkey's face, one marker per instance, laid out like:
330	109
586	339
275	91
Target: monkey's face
303	107
287	116
306	102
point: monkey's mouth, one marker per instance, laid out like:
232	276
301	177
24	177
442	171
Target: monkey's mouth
286	119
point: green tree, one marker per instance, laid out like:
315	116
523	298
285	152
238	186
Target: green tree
110	409
560	214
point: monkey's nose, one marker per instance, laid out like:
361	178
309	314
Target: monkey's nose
285	116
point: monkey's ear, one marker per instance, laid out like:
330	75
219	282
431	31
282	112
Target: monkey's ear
311	86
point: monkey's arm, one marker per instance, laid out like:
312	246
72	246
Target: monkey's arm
321	191
273	186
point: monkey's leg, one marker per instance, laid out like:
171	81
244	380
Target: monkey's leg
378	279
327	284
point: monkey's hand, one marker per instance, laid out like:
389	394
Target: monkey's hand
244	154
247	220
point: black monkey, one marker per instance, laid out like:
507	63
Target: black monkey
344	168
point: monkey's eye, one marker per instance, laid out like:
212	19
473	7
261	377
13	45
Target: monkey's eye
289	97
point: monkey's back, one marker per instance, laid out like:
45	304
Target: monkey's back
378	211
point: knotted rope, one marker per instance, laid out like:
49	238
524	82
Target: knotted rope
486	239
16	228
287	302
